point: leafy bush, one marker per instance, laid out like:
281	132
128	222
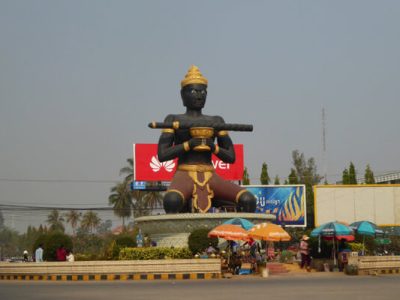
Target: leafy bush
351	270
356	247
87	244
154	253
199	241
115	246
87	257
51	242
286	256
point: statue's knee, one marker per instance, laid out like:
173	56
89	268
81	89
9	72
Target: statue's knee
247	202
173	202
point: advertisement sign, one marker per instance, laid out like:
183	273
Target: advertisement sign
377	203
286	202
147	167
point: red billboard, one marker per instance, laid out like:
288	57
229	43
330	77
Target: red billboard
147	167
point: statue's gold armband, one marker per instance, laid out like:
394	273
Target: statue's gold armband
186	146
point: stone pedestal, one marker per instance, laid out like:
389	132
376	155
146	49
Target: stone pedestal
174	229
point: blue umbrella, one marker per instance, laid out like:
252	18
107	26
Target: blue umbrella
366	228
245	224
333	230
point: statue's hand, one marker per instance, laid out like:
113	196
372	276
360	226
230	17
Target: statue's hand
194	142
210	143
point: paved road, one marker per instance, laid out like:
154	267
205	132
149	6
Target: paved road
324	287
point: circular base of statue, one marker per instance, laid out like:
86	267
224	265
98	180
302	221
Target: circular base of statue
173	230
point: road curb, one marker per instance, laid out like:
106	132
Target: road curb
111	277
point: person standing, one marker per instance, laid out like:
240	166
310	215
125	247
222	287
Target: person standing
39	253
26	258
61	253
70	256
305	253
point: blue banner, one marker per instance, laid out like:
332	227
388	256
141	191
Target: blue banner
286	202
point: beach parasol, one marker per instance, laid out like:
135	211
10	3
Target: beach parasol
229	232
269	232
366	228
333	231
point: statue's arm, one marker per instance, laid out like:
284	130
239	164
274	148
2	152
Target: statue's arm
167	150
224	149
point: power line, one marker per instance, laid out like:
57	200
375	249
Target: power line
58	180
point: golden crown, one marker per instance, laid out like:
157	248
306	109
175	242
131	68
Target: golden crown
193	76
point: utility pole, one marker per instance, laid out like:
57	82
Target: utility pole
324	163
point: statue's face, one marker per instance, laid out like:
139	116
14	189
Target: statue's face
194	96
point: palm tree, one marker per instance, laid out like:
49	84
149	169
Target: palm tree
73	217
142	202
55	220
90	221
128	170
121	199
152	200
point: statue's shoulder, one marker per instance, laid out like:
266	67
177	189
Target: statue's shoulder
218	119
172	118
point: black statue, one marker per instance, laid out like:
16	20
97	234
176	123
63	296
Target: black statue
190	137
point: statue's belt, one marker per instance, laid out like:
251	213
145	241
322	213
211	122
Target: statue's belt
196	168
202	193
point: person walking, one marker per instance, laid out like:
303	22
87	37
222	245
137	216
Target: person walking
305	253
39	253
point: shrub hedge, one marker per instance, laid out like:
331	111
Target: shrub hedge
154	253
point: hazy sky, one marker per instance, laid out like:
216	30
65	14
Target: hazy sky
80	80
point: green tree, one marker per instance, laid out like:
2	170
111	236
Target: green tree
152	200
121	201
246	178
292	178
8	242
306	171
105	227
73	217
127	170
90	221
264	177
1	220
369	175
345	177
55	220
142	202
198	241
276	180
352	174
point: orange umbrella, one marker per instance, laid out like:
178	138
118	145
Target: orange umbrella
269	232
229	232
